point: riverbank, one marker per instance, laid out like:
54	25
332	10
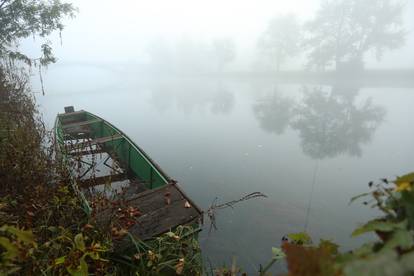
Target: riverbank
43	226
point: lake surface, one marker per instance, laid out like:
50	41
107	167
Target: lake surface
308	147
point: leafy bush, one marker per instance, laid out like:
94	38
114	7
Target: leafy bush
392	254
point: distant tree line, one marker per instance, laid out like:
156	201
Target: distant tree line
189	56
339	36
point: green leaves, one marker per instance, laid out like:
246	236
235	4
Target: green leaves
405	178
175	252
382	264
80	270
400	238
24	18
79	242
300	238
407	203
16	241
378	225
25	236
11	249
60	260
390	255
404	183
329	246
407	262
277	253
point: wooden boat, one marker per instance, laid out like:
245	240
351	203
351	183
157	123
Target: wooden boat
106	157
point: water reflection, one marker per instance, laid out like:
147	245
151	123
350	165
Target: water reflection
274	112
223	100
330	121
187	96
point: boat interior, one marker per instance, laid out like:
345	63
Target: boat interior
105	162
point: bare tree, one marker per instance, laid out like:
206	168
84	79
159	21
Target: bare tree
281	39
225	52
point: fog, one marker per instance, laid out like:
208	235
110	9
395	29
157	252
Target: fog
302	100
193	36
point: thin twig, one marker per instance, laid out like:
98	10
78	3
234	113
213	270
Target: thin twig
211	211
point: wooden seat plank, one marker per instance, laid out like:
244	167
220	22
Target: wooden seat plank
80	123
158	215
95	181
95	141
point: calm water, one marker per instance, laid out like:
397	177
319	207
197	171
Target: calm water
307	147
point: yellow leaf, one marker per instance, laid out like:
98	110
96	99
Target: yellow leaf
403	186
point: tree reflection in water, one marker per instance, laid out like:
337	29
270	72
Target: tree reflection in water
330	121
188	95
274	112
223	100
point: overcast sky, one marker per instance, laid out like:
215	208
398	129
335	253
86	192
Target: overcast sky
119	31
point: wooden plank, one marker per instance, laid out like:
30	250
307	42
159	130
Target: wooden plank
158	215
163	219
148	200
187	197
86	152
95	181
96	141
156	200
77	134
102	140
159	221
135	187
80	123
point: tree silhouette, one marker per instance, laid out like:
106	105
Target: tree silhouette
161	55
280	40
331	123
344	30
20	19
225	52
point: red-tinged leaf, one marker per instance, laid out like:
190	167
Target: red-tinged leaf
305	261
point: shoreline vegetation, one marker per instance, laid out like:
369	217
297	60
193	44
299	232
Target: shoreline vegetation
44	229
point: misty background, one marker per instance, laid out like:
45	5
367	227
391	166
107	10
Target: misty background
195	37
232	97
